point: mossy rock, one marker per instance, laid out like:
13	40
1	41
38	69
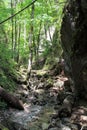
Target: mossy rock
3	105
2	127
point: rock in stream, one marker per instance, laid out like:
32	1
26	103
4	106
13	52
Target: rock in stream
20	120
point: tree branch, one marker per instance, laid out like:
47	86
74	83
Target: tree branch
18	12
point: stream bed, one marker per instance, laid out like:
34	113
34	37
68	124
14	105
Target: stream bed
32	118
41	100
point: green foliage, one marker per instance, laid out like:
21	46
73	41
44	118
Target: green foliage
2	127
7	68
50	80
35	35
3	105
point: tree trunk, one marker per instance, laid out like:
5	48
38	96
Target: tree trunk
31	40
38	44
15	35
12	27
18	48
24	34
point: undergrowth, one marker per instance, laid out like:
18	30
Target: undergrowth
8	72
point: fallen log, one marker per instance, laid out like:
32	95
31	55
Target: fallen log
10	99
66	108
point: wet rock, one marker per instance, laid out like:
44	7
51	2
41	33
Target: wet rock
54	128
45	126
59	84
40	85
46	75
74	127
65	128
67	85
18	95
60	127
66	120
24	93
39	76
48	86
24	87
21	81
2	127
22	119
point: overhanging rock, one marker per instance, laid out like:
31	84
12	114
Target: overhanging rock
74	43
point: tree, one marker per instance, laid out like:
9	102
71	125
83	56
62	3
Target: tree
12	26
31	40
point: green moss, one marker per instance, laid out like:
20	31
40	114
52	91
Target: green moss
3	105
6	80
8	72
50	80
2	127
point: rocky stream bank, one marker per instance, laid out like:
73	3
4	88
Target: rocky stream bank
43	97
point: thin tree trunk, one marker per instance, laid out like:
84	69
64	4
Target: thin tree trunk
31	42
12	27
15	34
24	34
15	43
19	33
45	29
38	43
50	34
5	35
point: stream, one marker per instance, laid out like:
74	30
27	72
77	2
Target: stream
41	104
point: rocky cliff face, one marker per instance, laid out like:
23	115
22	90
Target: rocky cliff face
74	42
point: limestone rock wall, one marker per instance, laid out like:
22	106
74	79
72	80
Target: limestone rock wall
74	42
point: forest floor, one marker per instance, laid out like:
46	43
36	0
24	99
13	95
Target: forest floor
46	106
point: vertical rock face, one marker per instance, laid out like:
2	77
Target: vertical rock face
74	42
